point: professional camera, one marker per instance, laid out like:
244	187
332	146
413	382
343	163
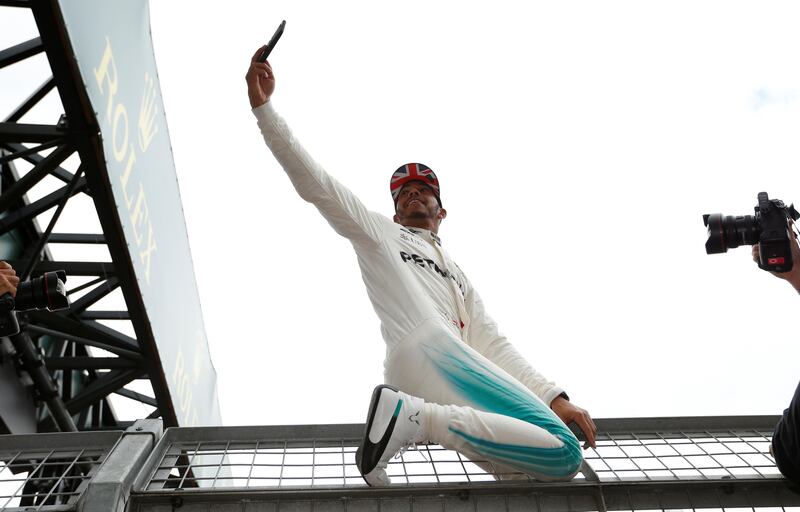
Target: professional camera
769	228
44	292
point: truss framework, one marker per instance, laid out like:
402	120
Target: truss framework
84	360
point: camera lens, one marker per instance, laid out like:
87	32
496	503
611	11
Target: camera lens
45	292
729	232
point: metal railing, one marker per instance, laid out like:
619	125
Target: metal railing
639	464
49	471
650	463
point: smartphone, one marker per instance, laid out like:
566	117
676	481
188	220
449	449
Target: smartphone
272	42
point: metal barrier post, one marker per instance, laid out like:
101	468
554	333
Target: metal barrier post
109	489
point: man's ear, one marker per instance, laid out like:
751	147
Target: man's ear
441	215
396	219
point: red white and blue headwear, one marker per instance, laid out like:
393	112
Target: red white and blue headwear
414	172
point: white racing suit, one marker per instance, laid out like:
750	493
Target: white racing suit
441	346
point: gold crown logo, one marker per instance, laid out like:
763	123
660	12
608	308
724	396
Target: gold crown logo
147	114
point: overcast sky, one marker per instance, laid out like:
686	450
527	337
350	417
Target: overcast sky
577	145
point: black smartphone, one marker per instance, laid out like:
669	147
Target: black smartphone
272	42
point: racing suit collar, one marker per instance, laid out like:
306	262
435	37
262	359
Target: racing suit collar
426	234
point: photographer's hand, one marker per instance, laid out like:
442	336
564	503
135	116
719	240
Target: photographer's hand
8	279
792	276
260	80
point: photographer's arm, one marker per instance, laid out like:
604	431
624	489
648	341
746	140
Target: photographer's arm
792	276
340	207
8	279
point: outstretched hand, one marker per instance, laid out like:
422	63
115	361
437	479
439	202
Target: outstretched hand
569	412
260	80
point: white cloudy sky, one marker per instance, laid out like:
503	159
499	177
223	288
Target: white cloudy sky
578	145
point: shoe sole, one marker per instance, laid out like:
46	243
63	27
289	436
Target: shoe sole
366	444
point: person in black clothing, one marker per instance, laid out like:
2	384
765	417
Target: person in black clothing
786	438
785	443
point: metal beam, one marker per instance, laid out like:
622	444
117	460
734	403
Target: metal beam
102	387
21	51
88	363
38	329
34	176
59	172
27	213
496	496
77	238
32	150
139	397
105	315
111	333
32	100
117	426
34	254
89	330
86	285
80	305
685	424
18	132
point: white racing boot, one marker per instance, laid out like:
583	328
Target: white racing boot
395	421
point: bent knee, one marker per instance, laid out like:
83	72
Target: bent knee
574	458
569	464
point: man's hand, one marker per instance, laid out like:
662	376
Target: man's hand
568	412
8	279
260	80
792	276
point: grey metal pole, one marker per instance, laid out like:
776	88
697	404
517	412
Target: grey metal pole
33	363
109	490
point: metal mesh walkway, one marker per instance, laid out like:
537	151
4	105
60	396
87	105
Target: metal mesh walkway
49	471
322	463
719	463
639	464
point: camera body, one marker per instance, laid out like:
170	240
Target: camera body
769	228
44	292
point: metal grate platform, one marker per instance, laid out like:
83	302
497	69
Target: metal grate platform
658	464
49	471
269	463
684	455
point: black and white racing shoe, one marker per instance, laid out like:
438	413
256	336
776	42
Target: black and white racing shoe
395	421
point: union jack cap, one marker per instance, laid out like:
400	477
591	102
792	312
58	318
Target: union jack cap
414	172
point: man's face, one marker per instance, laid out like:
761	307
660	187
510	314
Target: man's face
417	201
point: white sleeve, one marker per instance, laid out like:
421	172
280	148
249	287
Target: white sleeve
340	207
484	337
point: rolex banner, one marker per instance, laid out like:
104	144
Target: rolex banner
114	52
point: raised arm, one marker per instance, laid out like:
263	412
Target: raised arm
340	207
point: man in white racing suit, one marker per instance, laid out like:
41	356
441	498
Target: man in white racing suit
451	377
